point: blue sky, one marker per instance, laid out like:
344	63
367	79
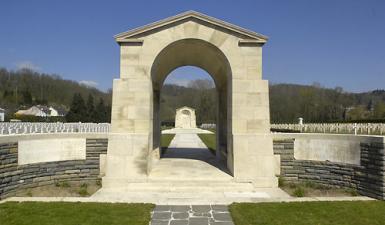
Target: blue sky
333	42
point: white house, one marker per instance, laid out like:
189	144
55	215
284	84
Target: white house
2	114
53	111
56	111
33	111
41	111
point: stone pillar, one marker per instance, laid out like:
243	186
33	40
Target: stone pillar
252	143
131	123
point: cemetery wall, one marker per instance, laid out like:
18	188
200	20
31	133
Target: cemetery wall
16	175
367	175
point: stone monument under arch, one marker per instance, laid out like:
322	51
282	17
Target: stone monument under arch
231	55
185	118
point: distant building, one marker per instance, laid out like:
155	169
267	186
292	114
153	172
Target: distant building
57	111
2	114
41	111
33	111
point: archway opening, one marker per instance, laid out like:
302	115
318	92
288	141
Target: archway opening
188	109
192	87
202	58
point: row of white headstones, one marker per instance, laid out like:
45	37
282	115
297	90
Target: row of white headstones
338	128
9	128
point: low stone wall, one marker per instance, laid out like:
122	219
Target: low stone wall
367	177
366	173
15	177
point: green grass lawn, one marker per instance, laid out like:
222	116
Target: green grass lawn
60	213
165	141
309	213
210	141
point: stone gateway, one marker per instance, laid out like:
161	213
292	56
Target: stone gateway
231	55
185	118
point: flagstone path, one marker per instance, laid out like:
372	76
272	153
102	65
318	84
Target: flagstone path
191	215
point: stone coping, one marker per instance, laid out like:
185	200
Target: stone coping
17	137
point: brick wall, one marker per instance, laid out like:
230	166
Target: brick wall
367	178
14	177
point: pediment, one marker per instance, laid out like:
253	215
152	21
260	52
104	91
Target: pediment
244	34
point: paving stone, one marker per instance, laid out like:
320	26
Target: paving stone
220	208
221	223
161	216
179	222
202	214
159	222
198	221
201	208
191	215
180	215
222	217
180	208
162	208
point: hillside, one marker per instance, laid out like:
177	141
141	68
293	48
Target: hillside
317	104
25	88
288	102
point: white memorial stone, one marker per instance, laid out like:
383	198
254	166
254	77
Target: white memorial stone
185	118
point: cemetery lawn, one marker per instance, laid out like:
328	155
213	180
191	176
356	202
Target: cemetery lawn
65	213
165	140
305	213
209	141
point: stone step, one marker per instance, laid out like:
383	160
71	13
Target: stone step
178	186
192	195
180	179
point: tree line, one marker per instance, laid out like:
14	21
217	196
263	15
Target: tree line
200	95
81	111
317	104
288	102
23	88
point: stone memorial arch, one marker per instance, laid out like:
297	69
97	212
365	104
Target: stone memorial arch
231	55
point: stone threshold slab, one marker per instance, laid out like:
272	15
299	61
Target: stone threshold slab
181	201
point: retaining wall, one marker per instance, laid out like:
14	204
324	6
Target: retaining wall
356	161
15	176
367	176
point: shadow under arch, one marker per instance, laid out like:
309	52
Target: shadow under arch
202	54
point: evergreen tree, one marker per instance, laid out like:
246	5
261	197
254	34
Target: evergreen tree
27	97
101	113
78	110
108	114
91	113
